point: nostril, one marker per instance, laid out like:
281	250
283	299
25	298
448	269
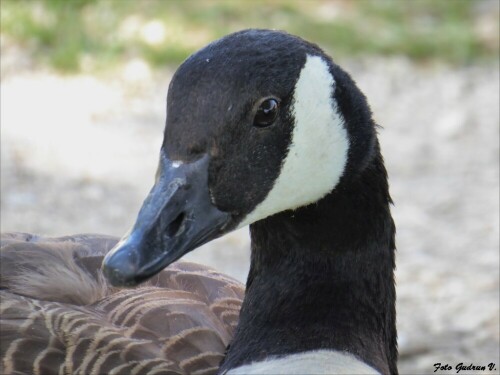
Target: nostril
174	226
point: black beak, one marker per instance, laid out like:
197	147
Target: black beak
176	217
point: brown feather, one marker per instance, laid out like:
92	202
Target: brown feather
59	315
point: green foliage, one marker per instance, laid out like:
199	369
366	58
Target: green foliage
65	33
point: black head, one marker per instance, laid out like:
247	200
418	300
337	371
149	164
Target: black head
258	122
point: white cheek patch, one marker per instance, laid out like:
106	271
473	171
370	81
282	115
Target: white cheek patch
317	154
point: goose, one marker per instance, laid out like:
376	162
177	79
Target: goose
263	129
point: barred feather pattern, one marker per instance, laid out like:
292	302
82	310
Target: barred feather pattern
59	316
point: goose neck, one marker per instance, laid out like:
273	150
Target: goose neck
322	277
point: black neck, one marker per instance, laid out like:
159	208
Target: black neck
322	277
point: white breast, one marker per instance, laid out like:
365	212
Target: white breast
313	362
317	154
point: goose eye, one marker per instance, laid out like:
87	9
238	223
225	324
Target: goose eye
267	113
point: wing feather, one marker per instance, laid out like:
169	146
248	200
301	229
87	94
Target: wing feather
59	315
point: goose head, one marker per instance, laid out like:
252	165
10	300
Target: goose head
258	122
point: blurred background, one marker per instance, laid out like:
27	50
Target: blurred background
83	86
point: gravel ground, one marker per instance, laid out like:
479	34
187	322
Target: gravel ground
78	154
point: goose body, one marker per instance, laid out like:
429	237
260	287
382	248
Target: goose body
263	129
60	316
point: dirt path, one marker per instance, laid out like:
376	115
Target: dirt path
79	155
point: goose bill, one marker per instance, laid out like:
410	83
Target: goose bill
176	217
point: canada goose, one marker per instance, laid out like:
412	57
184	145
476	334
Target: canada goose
264	129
